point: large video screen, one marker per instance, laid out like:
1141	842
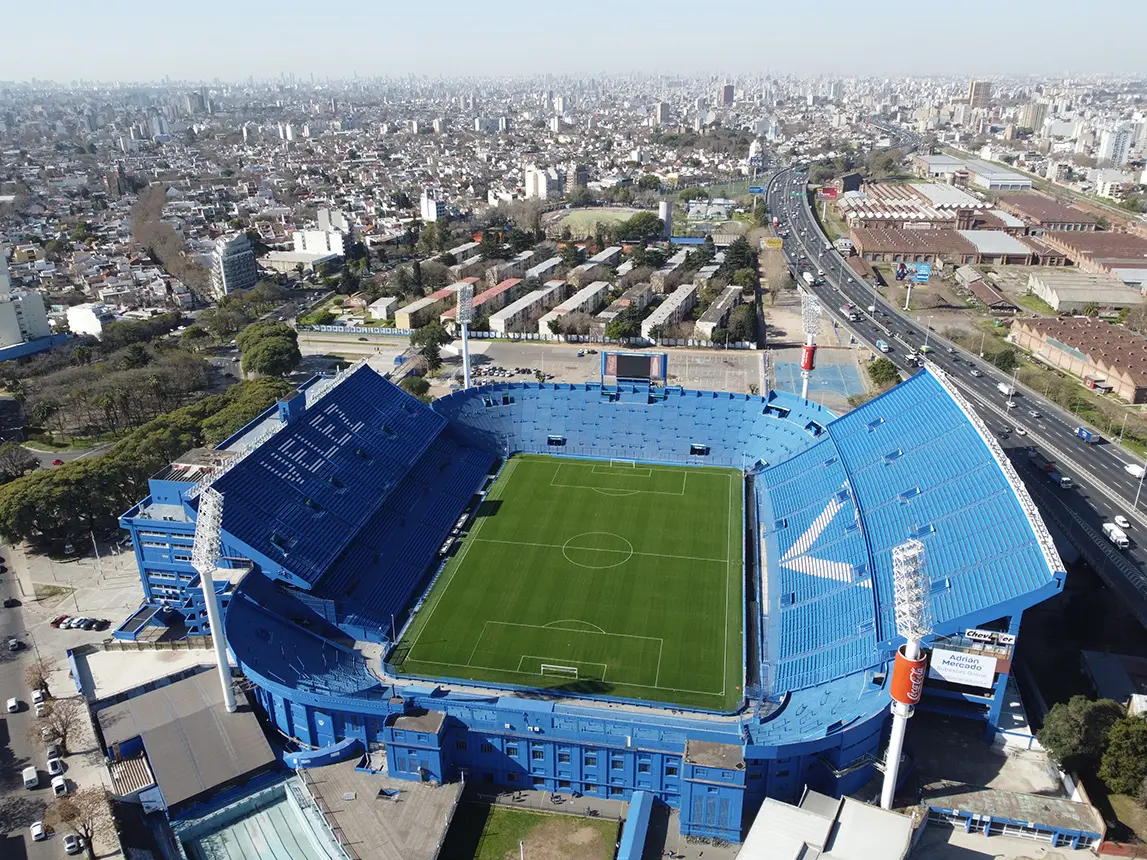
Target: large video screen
634	367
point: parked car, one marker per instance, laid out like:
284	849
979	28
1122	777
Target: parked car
38	832
103	624
58	620
10	602
57	462
13	705
73	844
14	644
55	766
37	697
59	786
89	624
41	709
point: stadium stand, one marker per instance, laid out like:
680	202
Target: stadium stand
342	512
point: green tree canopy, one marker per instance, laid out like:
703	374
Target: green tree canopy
415	385
273	356
1074	732
649	182
1124	763
1006	360
643	225
625	324
883	372
745	278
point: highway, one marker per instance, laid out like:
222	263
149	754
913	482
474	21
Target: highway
1103	486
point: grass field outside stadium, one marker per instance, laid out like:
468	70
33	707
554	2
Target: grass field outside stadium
596	577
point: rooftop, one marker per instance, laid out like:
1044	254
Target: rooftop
1044	210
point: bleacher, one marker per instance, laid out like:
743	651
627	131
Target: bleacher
593	421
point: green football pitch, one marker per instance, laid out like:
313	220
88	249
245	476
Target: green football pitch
604	577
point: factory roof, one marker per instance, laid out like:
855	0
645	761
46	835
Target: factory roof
995	242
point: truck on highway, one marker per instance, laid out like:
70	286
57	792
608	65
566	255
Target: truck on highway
808	278
883	346
1116	535
1005	389
850	313
776	222
1060	480
1088	436
1134	470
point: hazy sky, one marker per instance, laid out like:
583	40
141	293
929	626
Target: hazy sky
204	39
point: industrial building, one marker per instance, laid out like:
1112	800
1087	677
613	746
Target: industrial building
334	504
1042	214
1070	291
1106	357
586	300
671	311
521	314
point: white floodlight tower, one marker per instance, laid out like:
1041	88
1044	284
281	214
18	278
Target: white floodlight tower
810	323
913	622
465	317
204	558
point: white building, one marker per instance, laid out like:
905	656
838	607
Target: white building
5	280
430	206
542	183
518	315
672	310
383	309
587	300
232	265
1115	145
662	113
22	316
89	318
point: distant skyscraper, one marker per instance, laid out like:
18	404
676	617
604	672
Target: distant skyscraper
560	104
661	113
980	94
577	176
1032	115
431	207
233	265
555	124
725	95
701	103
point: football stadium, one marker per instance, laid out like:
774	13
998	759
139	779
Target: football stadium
621	589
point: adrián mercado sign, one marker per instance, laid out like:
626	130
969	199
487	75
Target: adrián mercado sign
959	667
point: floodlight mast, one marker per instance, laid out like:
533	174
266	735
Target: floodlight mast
913	622
204	557
465	317
810	323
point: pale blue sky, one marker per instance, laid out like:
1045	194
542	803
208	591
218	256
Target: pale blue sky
134	40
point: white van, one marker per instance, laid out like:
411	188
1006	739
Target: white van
31	778
59	785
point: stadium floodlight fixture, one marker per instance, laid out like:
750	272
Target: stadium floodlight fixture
810	313
205	553
913	611
465	317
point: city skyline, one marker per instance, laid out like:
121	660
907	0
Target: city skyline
265	40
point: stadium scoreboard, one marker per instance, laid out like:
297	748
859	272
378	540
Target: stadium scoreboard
634	366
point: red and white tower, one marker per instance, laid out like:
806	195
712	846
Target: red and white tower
810	323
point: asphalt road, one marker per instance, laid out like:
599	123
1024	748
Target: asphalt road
1103	488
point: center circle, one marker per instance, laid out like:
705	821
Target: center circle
597	550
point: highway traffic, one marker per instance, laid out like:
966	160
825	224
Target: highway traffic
1103	486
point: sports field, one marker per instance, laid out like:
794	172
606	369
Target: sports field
615	578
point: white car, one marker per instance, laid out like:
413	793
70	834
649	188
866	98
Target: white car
1033	413
41	709
55	767
1020	431
73	844
1011	404
1122	521
38	833
976	372
13	705
37	697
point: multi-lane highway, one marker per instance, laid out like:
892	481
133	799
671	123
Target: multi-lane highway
1103	486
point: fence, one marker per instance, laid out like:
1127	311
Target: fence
302	792
189	643
539	338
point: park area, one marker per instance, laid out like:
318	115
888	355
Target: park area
480	832
582	222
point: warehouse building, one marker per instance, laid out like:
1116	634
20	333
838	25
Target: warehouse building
1101	252
1042	214
1071	292
1104	356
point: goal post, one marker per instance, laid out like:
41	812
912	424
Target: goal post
552	669
632	464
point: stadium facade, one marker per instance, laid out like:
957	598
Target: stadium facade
341	503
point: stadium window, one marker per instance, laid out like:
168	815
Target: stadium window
671	770
511	777
616	791
563	758
556	441
563	783
538	755
591	759
460	745
512	751
487	748
781	773
539	782
591	788
643	767
616	764
699	450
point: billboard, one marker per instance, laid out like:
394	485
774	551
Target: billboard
826	194
756	189
959	667
634	365
773	243
923	272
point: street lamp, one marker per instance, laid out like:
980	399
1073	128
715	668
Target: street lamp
1139	490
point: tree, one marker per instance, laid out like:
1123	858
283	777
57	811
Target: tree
134	356
1124	762
643	225
432	354
693	194
15	461
649	182
745	278
62	720
1074	733
433	332
1091	309
743	323
37	674
1006	360
194	338
570	255
88	813
625	324
275	356
490	246
883	372
415	385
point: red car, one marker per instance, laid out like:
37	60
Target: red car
58	620
57	462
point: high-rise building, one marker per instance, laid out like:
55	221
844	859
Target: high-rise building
233	265
701	103
980	94
1032	115
665	213
725	95
661	113
5	280
577	176
1115	145
431	206
555	124
22	318
560	104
